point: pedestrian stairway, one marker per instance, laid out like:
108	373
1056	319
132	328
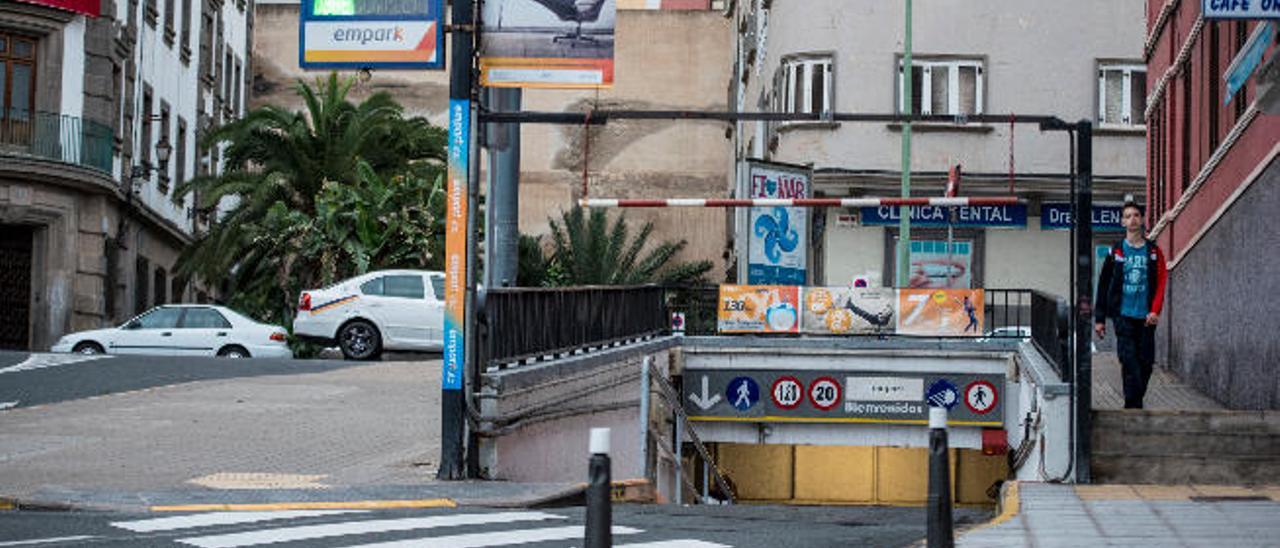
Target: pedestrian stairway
1186	447
362	529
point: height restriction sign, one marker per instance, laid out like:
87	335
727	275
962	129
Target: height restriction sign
787	392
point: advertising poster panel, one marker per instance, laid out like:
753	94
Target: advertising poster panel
547	43
940	312
758	309
778	238
849	311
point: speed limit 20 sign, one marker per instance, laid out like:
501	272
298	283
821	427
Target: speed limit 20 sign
824	393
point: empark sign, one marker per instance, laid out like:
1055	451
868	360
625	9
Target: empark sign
386	34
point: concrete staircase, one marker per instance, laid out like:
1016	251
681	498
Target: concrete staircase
1186	447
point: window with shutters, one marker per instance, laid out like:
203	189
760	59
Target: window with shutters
1122	94
943	86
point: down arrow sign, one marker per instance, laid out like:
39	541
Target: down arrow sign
706	400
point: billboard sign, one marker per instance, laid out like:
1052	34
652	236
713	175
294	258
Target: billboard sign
1240	9
376	34
988	216
777	246
1057	216
92	8
547	43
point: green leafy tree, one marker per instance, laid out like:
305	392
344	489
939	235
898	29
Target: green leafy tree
318	195
586	249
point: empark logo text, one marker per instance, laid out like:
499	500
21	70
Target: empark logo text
366	35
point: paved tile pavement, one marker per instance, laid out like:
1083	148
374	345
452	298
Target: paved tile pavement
1166	390
1053	515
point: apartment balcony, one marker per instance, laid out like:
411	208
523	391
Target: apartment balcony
57	137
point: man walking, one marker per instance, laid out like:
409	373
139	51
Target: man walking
1131	293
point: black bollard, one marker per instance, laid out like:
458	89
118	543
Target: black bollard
939	512
599	532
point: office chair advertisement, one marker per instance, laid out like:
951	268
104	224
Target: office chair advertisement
547	43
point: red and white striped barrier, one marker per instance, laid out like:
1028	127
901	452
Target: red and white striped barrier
800	202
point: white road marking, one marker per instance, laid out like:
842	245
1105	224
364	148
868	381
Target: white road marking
328	530
679	543
220	518
42	361
43	540
504	538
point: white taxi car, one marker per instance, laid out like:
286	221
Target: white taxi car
183	330
383	310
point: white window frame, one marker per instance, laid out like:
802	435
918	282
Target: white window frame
927	67
1126	92
805	67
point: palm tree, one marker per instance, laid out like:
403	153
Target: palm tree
280	168
587	250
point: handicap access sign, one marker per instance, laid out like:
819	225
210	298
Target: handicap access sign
742	393
943	393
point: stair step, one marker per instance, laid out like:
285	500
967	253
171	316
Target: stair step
1185	421
1185	469
1185	442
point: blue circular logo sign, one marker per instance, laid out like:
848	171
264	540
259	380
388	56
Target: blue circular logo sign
742	393
942	393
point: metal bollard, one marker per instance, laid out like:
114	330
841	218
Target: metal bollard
941	534
599	532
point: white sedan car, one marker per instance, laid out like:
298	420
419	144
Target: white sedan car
183	330
384	310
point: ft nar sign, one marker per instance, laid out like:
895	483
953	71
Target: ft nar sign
1241	9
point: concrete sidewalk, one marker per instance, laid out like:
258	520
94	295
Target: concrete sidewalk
1057	515
369	432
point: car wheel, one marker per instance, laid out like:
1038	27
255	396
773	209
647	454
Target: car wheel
88	349
360	340
233	352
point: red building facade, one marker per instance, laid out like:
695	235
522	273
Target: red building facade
1213	198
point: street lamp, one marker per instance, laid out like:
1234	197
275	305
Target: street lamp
163	150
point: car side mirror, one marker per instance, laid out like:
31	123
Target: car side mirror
134	324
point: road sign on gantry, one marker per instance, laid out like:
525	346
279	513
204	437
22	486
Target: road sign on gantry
379	34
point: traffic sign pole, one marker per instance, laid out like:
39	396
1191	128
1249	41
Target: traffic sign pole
939	514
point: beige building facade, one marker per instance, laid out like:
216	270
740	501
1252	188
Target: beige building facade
668	55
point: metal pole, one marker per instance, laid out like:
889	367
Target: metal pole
940	526
1083	300
679	442
503	201
458	249
599	512
644	415
904	223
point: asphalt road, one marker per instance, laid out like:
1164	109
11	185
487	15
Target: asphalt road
653	526
40	378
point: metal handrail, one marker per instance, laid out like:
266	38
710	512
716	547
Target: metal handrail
59	137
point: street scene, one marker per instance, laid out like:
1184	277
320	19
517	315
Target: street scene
649	273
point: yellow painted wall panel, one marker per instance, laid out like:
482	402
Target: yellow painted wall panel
834	473
976	472
759	472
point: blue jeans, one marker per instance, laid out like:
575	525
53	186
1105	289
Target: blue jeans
1136	348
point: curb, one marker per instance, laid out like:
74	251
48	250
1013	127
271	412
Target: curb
632	491
1006	508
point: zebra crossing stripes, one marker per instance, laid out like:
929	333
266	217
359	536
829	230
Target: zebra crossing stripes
502	538
356	528
329	530
678	543
192	521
